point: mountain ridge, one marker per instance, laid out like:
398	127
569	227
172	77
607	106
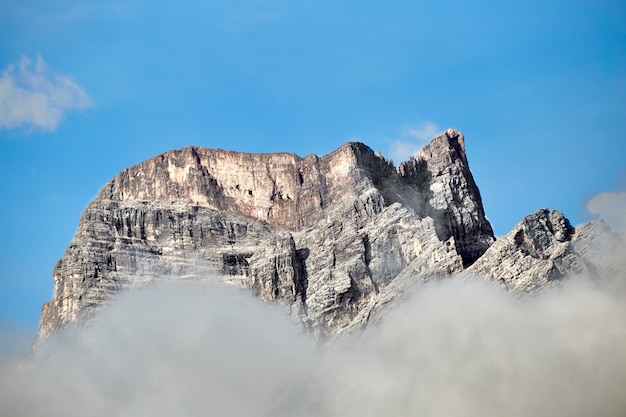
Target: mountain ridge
333	237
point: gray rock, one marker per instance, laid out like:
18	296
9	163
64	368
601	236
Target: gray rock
335	239
544	248
332	237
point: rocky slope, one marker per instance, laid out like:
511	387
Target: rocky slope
333	238
543	249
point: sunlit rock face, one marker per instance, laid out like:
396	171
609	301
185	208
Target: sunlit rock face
325	236
544	248
333	239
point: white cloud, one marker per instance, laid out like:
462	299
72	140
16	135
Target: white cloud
424	132
413	138
33	96
611	207
454	348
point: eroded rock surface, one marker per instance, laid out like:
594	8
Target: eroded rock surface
333	238
544	248
324	235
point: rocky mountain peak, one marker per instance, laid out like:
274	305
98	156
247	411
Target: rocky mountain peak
332	237
325	235
542	249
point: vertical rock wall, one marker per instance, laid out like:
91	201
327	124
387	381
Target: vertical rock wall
326	236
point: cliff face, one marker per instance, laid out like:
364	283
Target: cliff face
324	235
335	238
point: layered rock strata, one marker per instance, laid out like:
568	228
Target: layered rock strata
335	238
324	235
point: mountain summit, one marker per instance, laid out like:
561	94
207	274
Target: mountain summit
335	238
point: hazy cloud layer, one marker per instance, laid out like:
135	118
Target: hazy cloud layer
456	348
412	140
33	96
611	207
467	349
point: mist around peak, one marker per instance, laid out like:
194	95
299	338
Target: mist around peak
456	347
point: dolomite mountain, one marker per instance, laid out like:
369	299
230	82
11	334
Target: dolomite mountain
334	238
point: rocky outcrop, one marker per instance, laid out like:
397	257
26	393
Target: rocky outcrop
544	248
326	236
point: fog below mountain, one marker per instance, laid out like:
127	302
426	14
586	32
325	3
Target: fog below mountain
453	348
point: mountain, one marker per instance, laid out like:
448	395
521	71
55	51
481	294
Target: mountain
335	238
544	248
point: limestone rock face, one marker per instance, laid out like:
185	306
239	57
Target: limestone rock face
326	236
544	248
452	198
335	239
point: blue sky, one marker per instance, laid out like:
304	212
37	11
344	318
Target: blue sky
88	88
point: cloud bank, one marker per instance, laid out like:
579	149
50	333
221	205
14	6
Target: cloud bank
413	138
611	207
33	96
455	348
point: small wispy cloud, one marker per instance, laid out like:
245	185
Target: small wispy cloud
411	140
611	207
33	96
424	132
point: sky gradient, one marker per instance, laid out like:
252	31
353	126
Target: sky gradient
88	88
